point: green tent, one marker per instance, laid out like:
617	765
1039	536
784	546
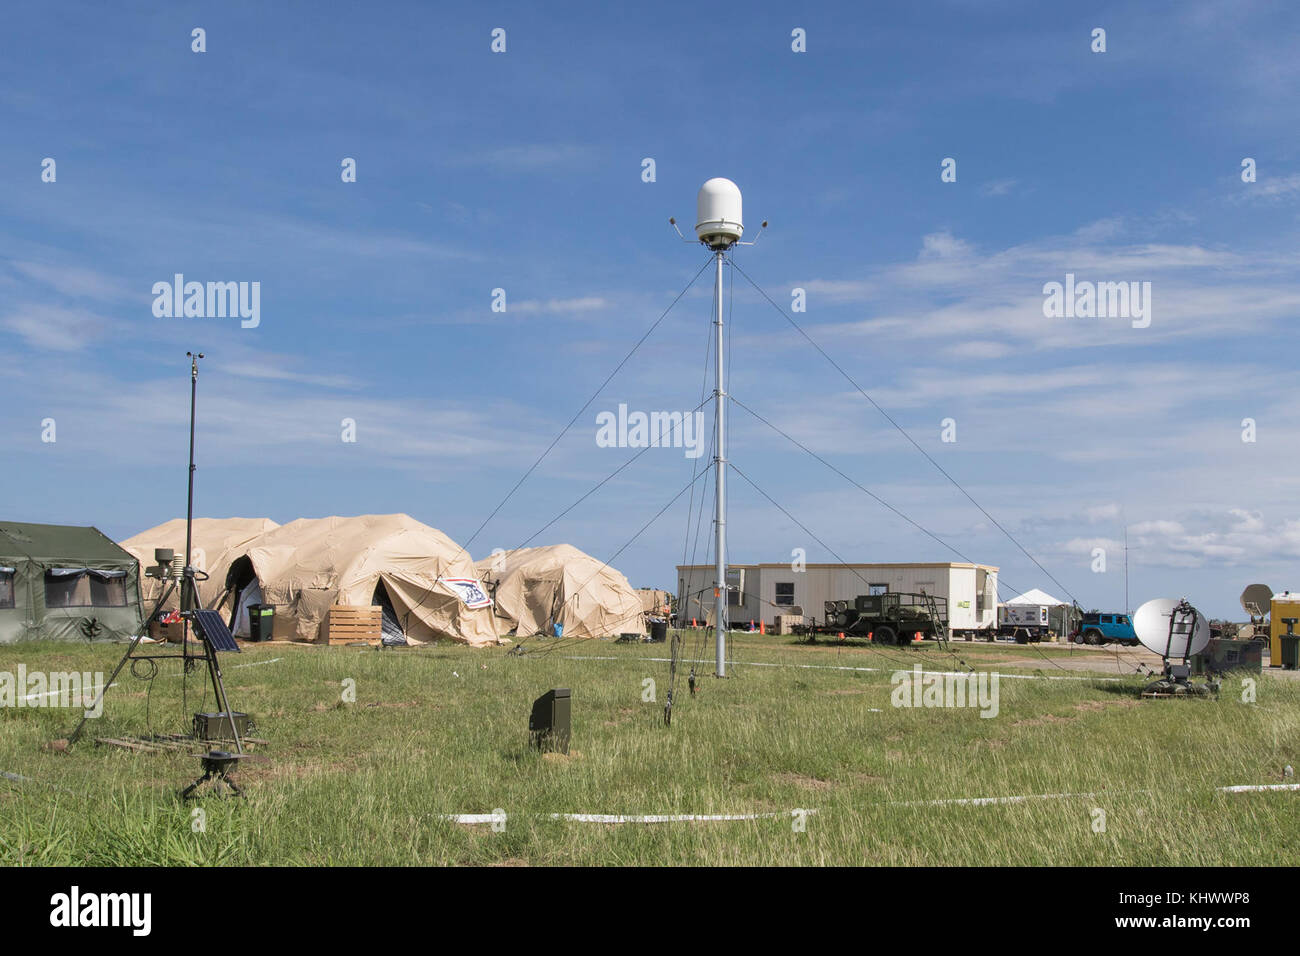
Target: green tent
60	583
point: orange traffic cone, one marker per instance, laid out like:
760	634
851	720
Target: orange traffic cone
762	627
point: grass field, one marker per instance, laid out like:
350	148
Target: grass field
443	730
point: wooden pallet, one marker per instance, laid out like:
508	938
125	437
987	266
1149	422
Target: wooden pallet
351	625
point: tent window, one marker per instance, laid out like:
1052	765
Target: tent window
6	587
84	587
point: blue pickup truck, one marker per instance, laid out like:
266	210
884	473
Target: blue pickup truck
1101	628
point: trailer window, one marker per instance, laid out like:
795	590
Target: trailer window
877	589
785	593
6	587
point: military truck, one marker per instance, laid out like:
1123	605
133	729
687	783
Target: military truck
892	618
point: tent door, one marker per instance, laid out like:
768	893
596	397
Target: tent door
251	594
393	633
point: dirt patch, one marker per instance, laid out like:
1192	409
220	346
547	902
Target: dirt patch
802	780
841	693
553	757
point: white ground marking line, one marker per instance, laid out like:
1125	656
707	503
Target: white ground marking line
473	818
836	667
988	801
256	663
235	667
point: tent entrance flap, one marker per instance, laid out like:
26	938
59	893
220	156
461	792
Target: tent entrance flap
250	595
392	626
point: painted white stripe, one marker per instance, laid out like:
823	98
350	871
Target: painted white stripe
836	667
475	818
256	663
989	801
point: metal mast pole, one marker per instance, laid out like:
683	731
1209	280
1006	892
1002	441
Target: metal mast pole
720	482
189	599
187	596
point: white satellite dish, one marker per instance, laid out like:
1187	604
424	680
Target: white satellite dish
1191	630
1256	600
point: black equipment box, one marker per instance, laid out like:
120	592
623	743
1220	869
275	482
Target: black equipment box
217	726
1222	655
549	724
261	622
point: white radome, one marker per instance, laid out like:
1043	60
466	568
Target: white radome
719	223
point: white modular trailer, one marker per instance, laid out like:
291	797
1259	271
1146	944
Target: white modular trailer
759	592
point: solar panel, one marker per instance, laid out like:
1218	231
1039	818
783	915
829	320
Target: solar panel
213	629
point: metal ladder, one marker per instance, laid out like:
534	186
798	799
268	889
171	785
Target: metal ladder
940	625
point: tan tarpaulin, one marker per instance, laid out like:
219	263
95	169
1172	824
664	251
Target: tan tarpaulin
307	565
217	542
539	586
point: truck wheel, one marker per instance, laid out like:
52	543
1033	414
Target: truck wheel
885	635
1022	636
1036	637
1092	637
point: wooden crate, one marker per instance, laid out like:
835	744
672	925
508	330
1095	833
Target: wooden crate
171	633
786	623
347	625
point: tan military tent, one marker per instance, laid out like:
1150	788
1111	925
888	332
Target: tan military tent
217	542
537	588
426	583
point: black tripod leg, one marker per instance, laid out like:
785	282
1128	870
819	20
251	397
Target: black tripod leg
185	794
214	670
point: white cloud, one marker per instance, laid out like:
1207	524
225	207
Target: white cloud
55	328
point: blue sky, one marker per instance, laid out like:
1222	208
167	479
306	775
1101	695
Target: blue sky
522	170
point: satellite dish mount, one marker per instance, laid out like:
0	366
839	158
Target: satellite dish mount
1176	631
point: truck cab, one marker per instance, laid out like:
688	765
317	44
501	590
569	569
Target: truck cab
1102	627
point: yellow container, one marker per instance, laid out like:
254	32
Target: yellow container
1285	604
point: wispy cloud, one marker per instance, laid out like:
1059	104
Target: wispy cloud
55	328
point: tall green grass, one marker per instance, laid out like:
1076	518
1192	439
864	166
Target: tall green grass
443	730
